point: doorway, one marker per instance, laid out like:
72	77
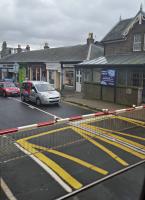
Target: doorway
78	80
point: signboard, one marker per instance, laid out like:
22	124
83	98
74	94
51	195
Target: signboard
108	77
16	68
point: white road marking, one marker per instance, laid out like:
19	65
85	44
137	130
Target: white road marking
66	187
47	113
7	190
31	107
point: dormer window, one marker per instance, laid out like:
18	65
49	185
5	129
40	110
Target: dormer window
137	42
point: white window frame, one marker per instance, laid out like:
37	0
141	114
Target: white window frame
137	42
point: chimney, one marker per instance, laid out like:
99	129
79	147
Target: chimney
19	49
46	46
27	48
90	39
4	45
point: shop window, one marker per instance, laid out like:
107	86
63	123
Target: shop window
27	72
51	76
38	73
137	42
43	78
34	74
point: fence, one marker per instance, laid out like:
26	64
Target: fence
123	129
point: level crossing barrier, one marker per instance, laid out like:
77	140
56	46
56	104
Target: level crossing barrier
123	129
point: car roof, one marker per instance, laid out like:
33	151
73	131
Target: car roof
6	82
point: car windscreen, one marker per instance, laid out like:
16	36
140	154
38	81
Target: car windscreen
9	85
44	87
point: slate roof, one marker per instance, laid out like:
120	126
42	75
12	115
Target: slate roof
125	59
70	53
116	32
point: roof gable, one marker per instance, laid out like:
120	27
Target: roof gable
122	28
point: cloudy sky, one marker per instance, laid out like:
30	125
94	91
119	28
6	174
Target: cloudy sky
60	22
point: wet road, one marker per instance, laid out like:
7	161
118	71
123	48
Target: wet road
51	162
14	113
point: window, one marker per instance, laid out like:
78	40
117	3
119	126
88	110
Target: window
137	42
34	74
51	76
135	79
38	73
87	75
69	78
122	77
96	75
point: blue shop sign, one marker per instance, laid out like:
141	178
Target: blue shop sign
108	77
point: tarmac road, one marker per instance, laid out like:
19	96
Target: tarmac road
52	162
14	113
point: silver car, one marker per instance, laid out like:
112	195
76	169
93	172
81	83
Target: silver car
39	92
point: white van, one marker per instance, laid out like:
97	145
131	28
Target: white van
39	92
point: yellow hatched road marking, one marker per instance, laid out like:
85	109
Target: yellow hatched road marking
46	133
127	149
110	153
53	165
133	121
116	136
120	133
77	160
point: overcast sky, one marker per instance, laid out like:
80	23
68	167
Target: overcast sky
60	22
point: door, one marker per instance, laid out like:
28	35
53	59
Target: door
33	94
78	80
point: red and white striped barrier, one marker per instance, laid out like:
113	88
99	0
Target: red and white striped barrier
65	120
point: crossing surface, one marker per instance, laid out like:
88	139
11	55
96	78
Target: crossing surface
49	162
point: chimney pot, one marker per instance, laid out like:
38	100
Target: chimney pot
27	48
46	46
19	49
90	39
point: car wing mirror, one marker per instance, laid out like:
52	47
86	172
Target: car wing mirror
32	90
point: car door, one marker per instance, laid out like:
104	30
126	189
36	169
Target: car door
33	94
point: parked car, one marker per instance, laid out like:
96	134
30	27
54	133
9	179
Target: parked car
39	92
9	89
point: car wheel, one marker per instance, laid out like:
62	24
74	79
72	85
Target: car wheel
38	102
22	98
4	94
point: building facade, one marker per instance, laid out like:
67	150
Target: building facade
54	65
119	75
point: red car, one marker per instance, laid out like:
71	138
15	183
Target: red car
9	89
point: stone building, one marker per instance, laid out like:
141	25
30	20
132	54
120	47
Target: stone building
119	75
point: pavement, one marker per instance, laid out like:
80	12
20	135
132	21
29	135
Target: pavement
77	98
